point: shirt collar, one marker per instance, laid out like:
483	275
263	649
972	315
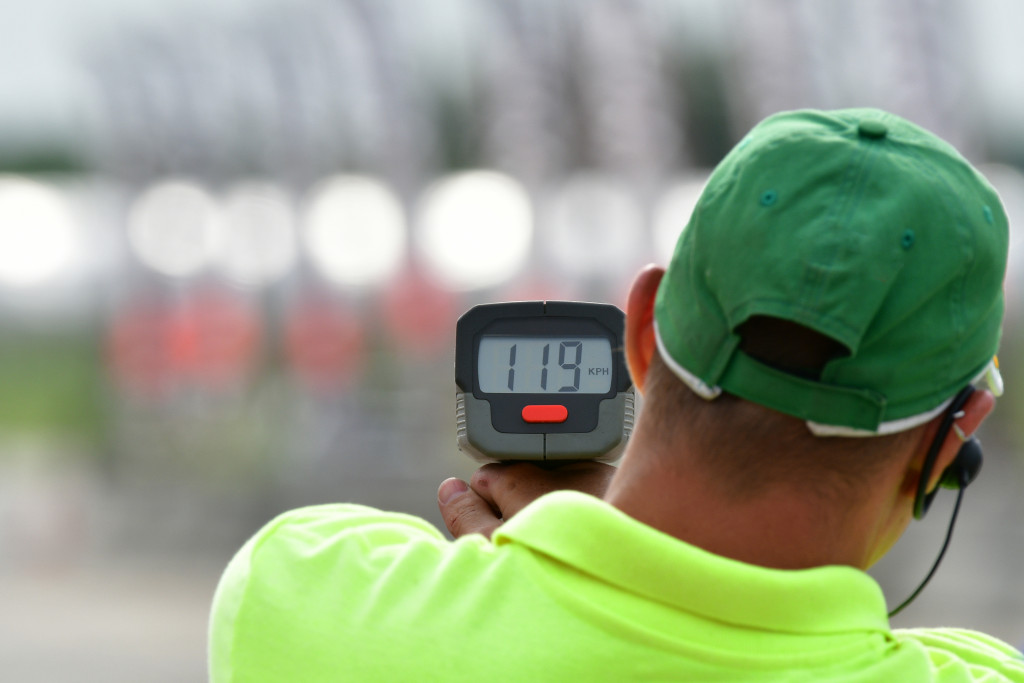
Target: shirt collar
596	538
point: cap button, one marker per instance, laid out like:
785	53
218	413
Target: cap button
872	128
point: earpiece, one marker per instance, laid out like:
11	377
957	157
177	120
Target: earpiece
958	475
964	468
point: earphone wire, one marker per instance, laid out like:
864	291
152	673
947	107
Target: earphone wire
942	553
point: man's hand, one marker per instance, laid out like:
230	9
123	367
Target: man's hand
498	491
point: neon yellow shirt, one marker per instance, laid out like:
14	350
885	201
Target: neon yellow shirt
571	589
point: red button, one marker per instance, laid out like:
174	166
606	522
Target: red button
545	413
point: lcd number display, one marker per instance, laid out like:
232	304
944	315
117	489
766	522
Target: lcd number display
544	365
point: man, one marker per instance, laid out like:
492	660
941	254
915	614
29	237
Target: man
839	284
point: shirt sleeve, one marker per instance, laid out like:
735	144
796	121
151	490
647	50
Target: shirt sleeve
963	654
285	593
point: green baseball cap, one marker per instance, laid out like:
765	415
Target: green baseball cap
861	226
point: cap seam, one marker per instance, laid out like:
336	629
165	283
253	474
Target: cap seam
861	167
812	280
959	218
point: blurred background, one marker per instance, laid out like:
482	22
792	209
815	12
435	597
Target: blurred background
235	238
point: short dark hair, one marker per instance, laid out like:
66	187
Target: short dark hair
746	447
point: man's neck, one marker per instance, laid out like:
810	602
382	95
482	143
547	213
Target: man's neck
780	527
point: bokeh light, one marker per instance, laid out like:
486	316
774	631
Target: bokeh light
354	231
174	227
672	213
258	245
475	229
419	314
595	227
37	232
325	341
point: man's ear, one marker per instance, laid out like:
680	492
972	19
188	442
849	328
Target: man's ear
977	408
640	339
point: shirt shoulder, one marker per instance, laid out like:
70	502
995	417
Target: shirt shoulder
292	578
965	655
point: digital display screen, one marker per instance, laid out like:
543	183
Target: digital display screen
544	365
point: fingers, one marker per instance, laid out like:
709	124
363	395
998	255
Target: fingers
498	491
464	511
509	487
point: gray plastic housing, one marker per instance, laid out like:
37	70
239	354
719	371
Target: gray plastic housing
604	444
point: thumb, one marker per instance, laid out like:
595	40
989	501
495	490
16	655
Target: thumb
464	511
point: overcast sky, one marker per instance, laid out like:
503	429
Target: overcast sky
41	41
43	93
